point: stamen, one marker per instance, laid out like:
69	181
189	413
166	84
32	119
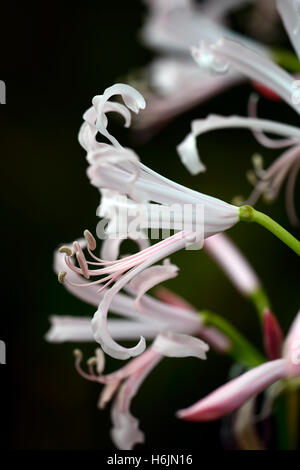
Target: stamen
78	358
100	360
67	250
61	276
91	363
90	239
81	260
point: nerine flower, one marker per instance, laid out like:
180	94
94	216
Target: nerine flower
134	270
171	28
235	393
169	323
118	171
125	382
149	317
221	56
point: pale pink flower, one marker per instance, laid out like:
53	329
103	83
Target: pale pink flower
236	392
171	28
219	57
122	272
126	381
112	171
147	317
119	171
169	323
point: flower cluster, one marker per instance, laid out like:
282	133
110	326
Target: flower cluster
120	284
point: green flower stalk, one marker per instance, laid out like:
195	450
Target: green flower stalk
241	350
249	214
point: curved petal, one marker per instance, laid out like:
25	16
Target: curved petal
99	322
255	66
132	99
152	276
125	432
188	154
103	336
188	151
235	393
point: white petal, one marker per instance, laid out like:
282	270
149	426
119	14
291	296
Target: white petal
131	97
103	336
178	345
152	276
257	67
78	329
66	328
188	148
188	154
99	322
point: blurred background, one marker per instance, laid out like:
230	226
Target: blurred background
54	59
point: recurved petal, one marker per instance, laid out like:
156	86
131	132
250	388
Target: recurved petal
152	276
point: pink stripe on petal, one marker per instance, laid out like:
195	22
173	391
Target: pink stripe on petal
235	393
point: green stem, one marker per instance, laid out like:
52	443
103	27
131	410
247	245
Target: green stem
240	349
260	301
248	214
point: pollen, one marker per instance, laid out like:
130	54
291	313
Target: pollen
67	250
61	276
78	354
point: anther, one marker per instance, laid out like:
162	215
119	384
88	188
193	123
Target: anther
67	250
90	239
78	354
92	361
81	260
61	276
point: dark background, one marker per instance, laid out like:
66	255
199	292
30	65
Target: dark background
54	59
